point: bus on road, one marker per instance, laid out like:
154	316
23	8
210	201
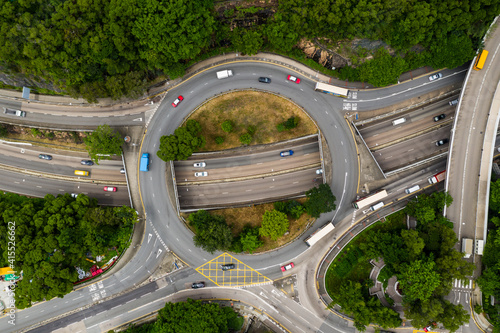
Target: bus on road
329	89
369	199
318	234
480	60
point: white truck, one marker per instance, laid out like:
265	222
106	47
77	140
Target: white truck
467	245
224	74
12	112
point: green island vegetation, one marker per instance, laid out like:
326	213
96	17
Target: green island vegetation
277	224
118	48
233	120
46	238
423	260
489	281
43	137
192	316
103	143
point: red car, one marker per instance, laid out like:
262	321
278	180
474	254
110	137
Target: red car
287	267
293	79
177	101
430	327
109	189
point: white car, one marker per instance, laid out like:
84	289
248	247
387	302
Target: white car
200	165
319	171
201	174
435	76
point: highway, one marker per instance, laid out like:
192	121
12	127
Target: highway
164	232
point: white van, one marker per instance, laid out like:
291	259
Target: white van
398	121
412	189
377	206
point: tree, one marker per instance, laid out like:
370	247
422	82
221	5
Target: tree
247	41
227	126
274	224
413	243
185	140
319	200
250	239
245	138
102	143
212	232
418	280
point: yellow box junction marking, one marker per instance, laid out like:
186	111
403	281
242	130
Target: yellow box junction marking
241	275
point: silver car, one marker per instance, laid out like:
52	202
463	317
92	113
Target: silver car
201	174
435	76
200	165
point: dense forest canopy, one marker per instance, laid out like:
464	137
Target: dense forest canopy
113	48
46	238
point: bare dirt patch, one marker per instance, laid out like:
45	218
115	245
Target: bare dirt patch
245	108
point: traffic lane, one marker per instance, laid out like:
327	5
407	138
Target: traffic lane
371	99
39	187
248	191
249	156
62	162
412	150
386	132
253	169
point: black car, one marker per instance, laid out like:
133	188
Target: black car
45	157
197	285
442	142
227	267
264	80
441	116
86	162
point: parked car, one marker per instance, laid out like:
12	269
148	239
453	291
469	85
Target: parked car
86	162
430	327
442	142
286	153
201	174
453	102
200	165
264	80
177	101
441	116
435	76
287	267
197	285
227	267
319	171
293	79
45	157
110	189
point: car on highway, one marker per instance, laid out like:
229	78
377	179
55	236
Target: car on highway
435	76
201	174
86	162
287	267
74	195
110	189
45	157
177	101
440	117
319	171
122	170
264	80
226	267
293	79
197	285
453	102
200	165
286	153
442	142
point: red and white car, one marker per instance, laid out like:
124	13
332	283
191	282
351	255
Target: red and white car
177	101
287	267
293	79
110	189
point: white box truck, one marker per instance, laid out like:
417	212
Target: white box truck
12	112
467	245
224	74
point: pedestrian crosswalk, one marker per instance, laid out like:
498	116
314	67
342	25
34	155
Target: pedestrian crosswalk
459	284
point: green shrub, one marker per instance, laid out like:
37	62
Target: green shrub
36	132
50	135
245	139
251	129
219	140
227	126
280	127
